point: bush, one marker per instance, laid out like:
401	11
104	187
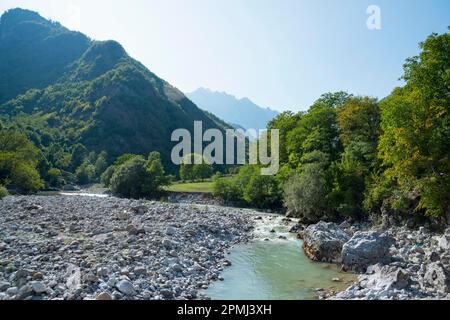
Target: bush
101	164
26	178
138	178
3	192
227	190
106	176
248	188
130	179
263	192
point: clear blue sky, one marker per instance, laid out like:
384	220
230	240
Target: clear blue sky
279	53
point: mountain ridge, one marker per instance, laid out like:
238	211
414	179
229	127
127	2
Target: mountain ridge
89	92
238	112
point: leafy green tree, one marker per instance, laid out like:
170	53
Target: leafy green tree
107	175
101	163
3	192
18	161
125	157
192	171
348	187
285	122
202	171
415	143
130	180
156	173
359	123
55	178
139	178
79	155
305	192
263	192
85	173
227	190
249	188
317	130
185	172
358	119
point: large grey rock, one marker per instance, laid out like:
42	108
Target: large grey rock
381	277
24	292
436	277
73	282
38	287
4	285
444	243
323	242
104	296
126	287
379	283
365	249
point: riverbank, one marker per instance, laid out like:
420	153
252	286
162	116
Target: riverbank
392	263
66	247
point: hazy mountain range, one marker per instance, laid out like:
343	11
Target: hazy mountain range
237	112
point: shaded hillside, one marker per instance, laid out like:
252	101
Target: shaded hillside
93	92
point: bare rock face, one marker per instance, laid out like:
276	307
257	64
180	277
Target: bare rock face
365	249
323	242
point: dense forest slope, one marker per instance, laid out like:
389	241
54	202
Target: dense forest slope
63	88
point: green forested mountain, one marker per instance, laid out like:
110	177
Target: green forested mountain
62	89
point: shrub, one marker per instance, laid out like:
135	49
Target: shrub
25	178
262	192
3	192
130	179
248	188
227	190
106	176
138	178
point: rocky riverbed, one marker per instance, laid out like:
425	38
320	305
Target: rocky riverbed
65	247
392	262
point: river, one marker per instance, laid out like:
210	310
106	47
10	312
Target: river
270	268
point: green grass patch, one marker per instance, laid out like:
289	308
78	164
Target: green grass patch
201	187
196	187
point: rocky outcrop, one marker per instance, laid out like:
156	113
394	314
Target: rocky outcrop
436	277
365	249
323	242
